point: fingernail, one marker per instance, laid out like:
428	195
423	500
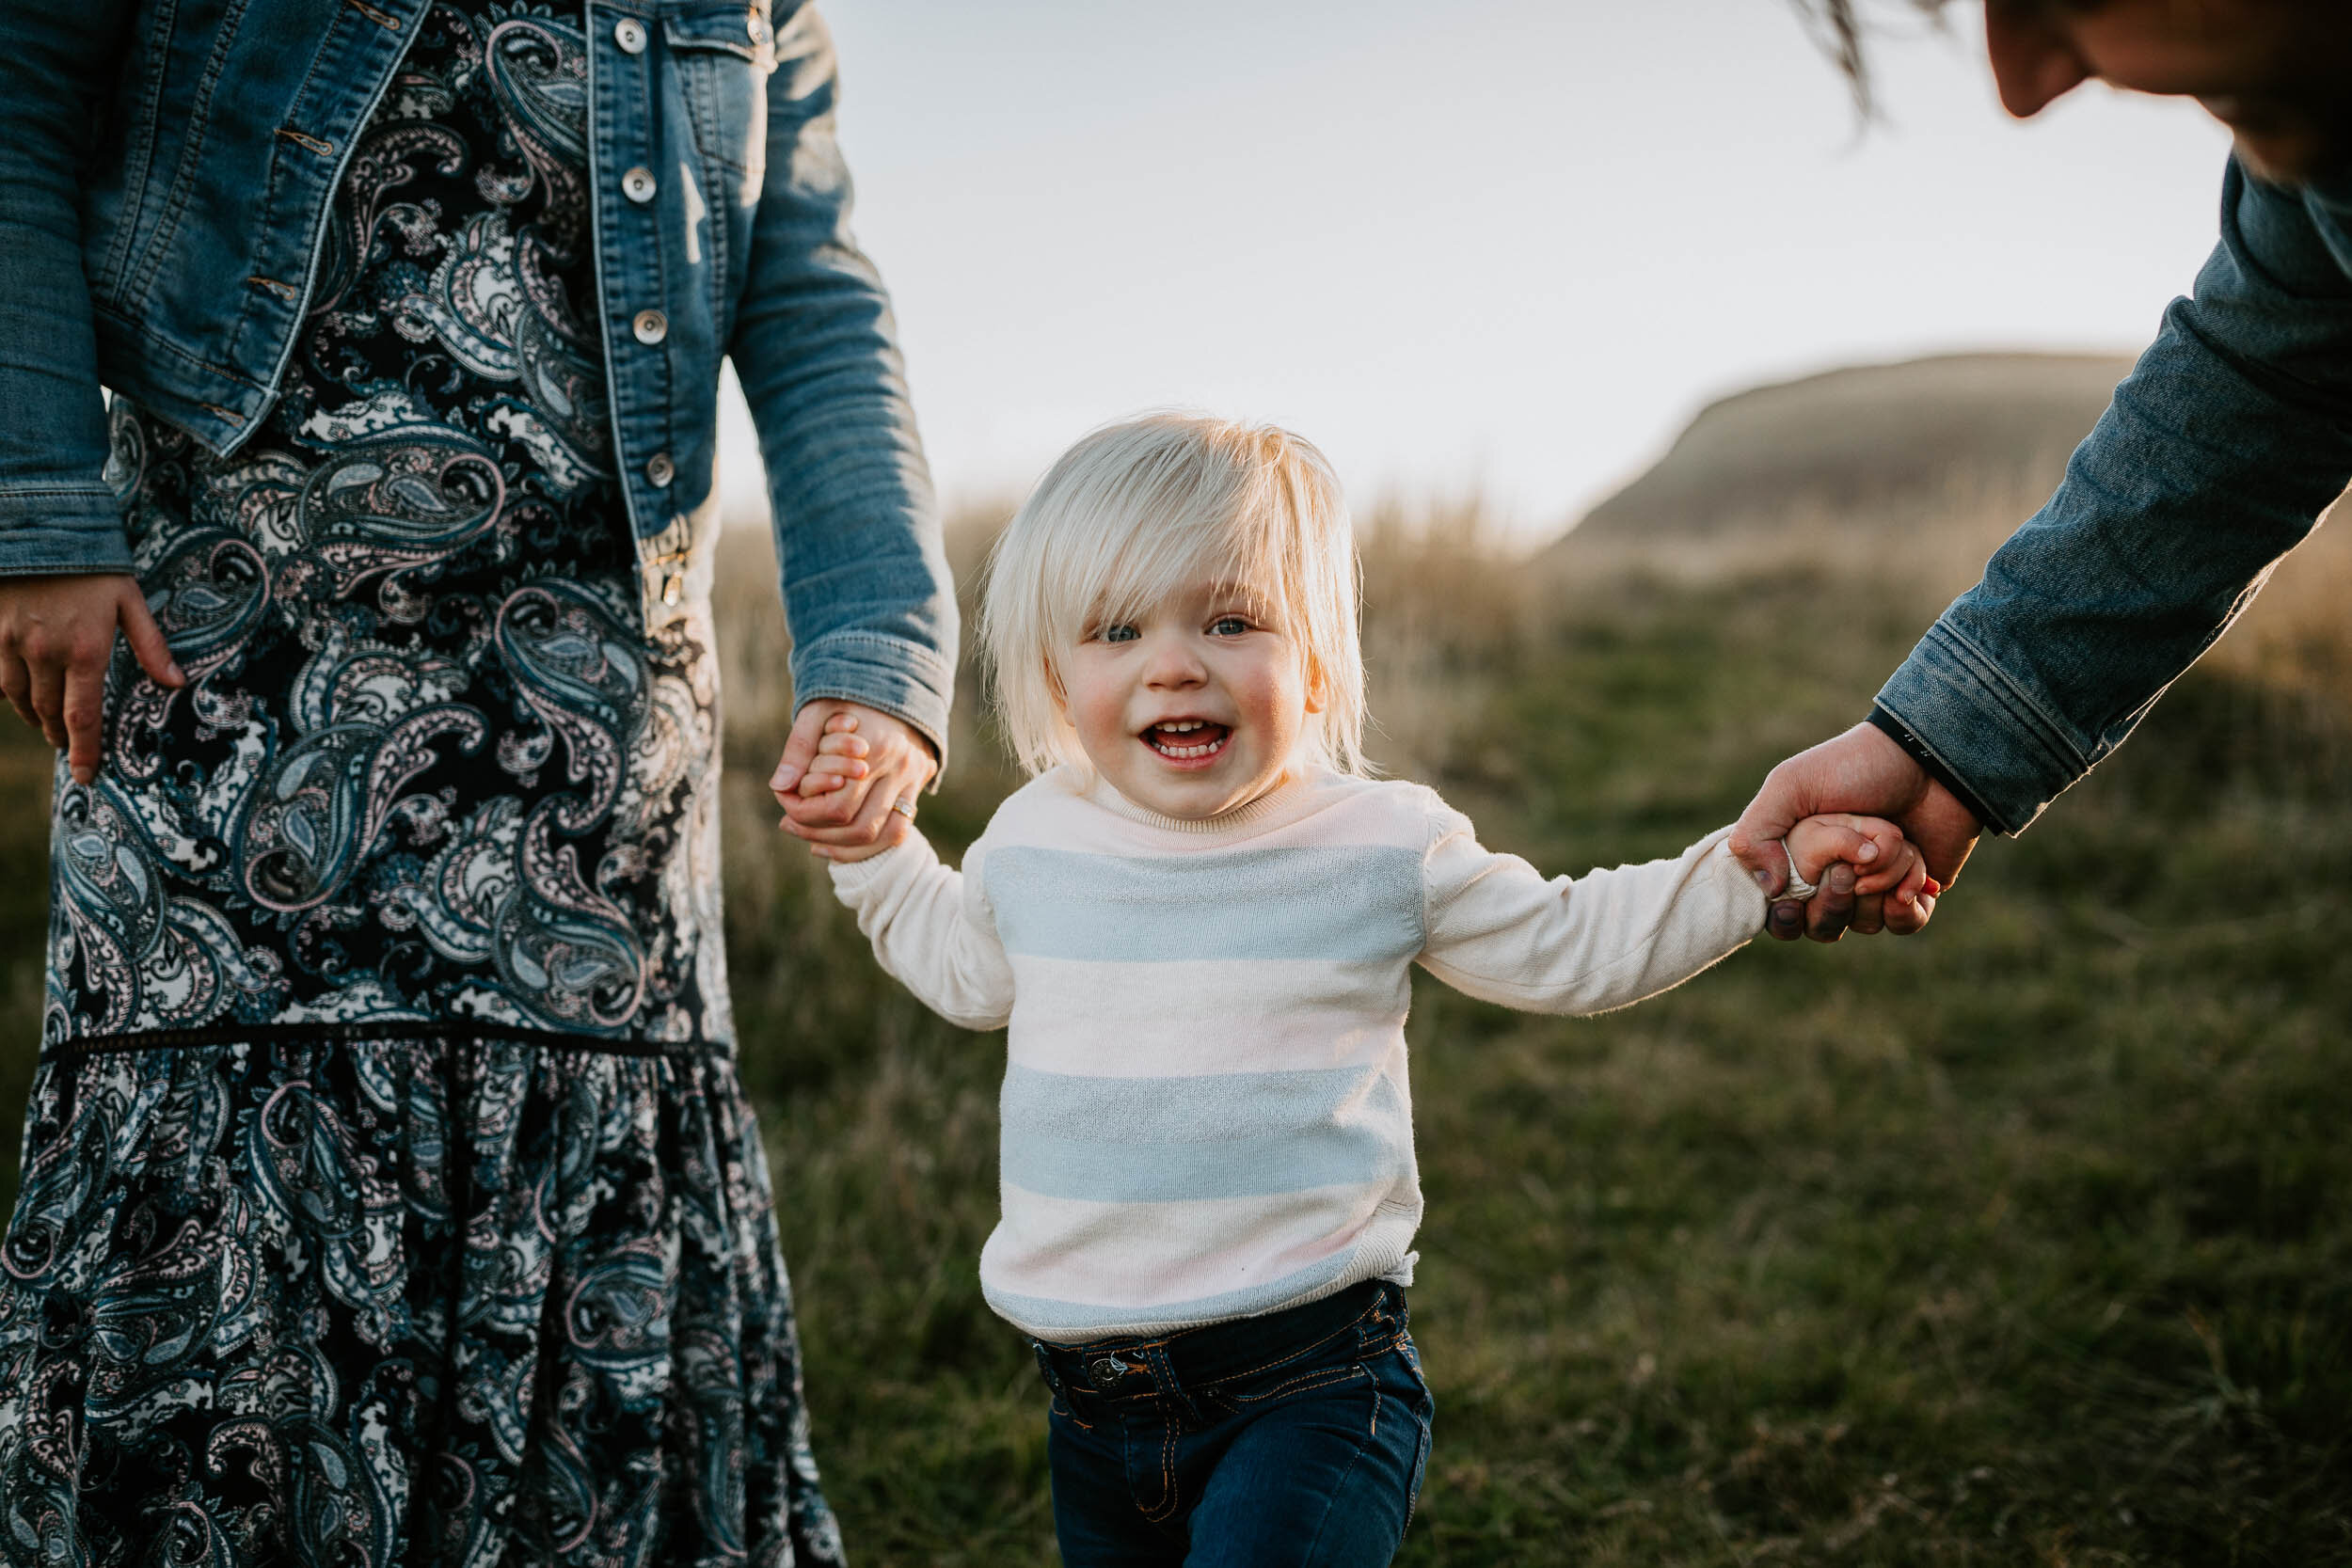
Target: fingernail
1784	919
1764	881
1842	879
785	777
1869	851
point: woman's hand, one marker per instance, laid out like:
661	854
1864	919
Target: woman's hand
57	634
845	771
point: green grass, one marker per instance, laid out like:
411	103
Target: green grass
2023	1242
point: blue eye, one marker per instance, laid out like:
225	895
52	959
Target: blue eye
1121	633
1228	626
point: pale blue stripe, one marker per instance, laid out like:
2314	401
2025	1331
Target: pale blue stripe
1346	904
1205	1108
1199	1144
1048	1314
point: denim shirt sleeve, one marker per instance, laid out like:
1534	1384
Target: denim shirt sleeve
57	513
866	585
2230	435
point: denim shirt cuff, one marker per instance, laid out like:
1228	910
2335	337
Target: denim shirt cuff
1924	754
1983	729
49	530
889	674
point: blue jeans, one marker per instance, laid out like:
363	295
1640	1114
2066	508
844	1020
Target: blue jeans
1295	1438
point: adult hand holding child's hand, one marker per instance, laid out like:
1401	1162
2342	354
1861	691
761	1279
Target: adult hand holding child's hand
848	778
1855	856
1861	770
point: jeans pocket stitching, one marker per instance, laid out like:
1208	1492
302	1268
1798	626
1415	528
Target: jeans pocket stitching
1166	1508
1421	1470
1305	1382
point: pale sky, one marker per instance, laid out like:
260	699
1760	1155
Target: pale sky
1509	244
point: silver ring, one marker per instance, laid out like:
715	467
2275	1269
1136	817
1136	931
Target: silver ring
1798	889
904	808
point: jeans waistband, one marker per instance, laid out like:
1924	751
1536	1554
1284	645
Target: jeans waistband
1372	1316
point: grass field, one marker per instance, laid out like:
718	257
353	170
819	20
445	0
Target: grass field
2023	1241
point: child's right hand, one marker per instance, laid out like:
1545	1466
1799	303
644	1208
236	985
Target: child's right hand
1883	861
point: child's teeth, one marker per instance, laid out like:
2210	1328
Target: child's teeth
1205	748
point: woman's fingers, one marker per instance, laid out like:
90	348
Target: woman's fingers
16	684
56	637
147	639
81	712
48	700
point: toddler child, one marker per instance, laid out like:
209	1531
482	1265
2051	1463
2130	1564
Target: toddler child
1198	919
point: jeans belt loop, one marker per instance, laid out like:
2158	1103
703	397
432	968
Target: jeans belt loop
1170	1385
1045	1367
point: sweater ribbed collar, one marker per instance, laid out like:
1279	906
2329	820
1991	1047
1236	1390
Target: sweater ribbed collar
1278	804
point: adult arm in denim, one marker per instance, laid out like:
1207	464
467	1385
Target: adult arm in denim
866	585
2221	448
64	562
56	70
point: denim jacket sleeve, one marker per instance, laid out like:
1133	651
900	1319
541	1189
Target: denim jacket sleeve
2230	435
57	513
866	584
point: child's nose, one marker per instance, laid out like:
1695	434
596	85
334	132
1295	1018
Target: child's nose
1175	663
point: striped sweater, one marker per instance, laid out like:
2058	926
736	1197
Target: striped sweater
1205	1113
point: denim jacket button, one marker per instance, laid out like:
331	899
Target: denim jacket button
637	184
1104	1373
660	470
651	326
629	34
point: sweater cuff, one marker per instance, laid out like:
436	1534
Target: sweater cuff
857	877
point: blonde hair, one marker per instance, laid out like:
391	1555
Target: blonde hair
1137	511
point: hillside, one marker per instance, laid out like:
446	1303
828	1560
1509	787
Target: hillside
1898	440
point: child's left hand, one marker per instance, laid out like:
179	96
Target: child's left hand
1882	860
841	754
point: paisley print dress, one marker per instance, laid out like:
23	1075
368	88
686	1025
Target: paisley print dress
390	1194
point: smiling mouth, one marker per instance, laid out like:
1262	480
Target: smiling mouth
1188	739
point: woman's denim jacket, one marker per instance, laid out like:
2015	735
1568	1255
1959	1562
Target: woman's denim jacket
2221	448
165	175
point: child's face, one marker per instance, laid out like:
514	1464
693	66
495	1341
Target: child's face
1192	708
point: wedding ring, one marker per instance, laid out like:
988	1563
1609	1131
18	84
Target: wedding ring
1798	889
904	808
